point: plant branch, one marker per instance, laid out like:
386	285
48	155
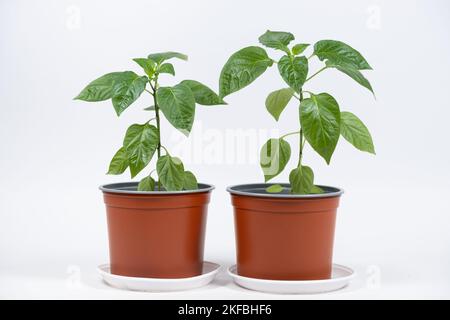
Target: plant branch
289	134
157	120
300	152
315	74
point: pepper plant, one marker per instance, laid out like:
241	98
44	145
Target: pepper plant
142	140
321	122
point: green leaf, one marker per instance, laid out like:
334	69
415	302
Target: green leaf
151	108
178	105
140	142
170	172
274	156
126	92
320	121
277	40
202	94
190	181
242	68
146	184
275	188
119	162
103	88
339	53
299	48
148	65
302	180
163	56
294	71
352	73
316	190
167	68
355	132
278	100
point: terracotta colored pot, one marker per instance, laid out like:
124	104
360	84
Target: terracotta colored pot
284	236
156	234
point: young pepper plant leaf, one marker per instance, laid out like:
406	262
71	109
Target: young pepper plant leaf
320	120
167	68
127	92
299	48
202	94
274	156
275	188
119	162
242	68
341	54
170	172
316	190
148	65
178	106
160	57
355	132
302	180
294	71
146	184
277	100
352	73
140	143
277	40
103	88
190	181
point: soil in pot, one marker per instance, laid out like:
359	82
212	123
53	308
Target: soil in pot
156	234
284	236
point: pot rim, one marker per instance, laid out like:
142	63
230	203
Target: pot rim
130	188
245	190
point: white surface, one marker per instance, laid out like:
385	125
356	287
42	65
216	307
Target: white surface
210	270
393	221
340	277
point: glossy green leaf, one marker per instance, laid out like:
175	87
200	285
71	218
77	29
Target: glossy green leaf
278	100
163	56
202	94
178	106
119	162
275	188
316	190
127	92
148	65
302	180
355	132
140	143
242	68
277	40
190	181
146	184
294	71
320	121
339	53
274	156
352	73
299	48
103	88
170	172
167	68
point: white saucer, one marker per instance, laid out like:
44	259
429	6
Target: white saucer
340	278
158	284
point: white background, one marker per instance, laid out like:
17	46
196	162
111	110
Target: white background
393	222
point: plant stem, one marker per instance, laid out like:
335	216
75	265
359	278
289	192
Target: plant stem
289	134
154	87
319	71
300	152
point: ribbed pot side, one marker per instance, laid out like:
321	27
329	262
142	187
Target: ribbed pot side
156	235
283	238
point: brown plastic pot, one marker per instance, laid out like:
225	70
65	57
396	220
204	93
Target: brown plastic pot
157	234
284	236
